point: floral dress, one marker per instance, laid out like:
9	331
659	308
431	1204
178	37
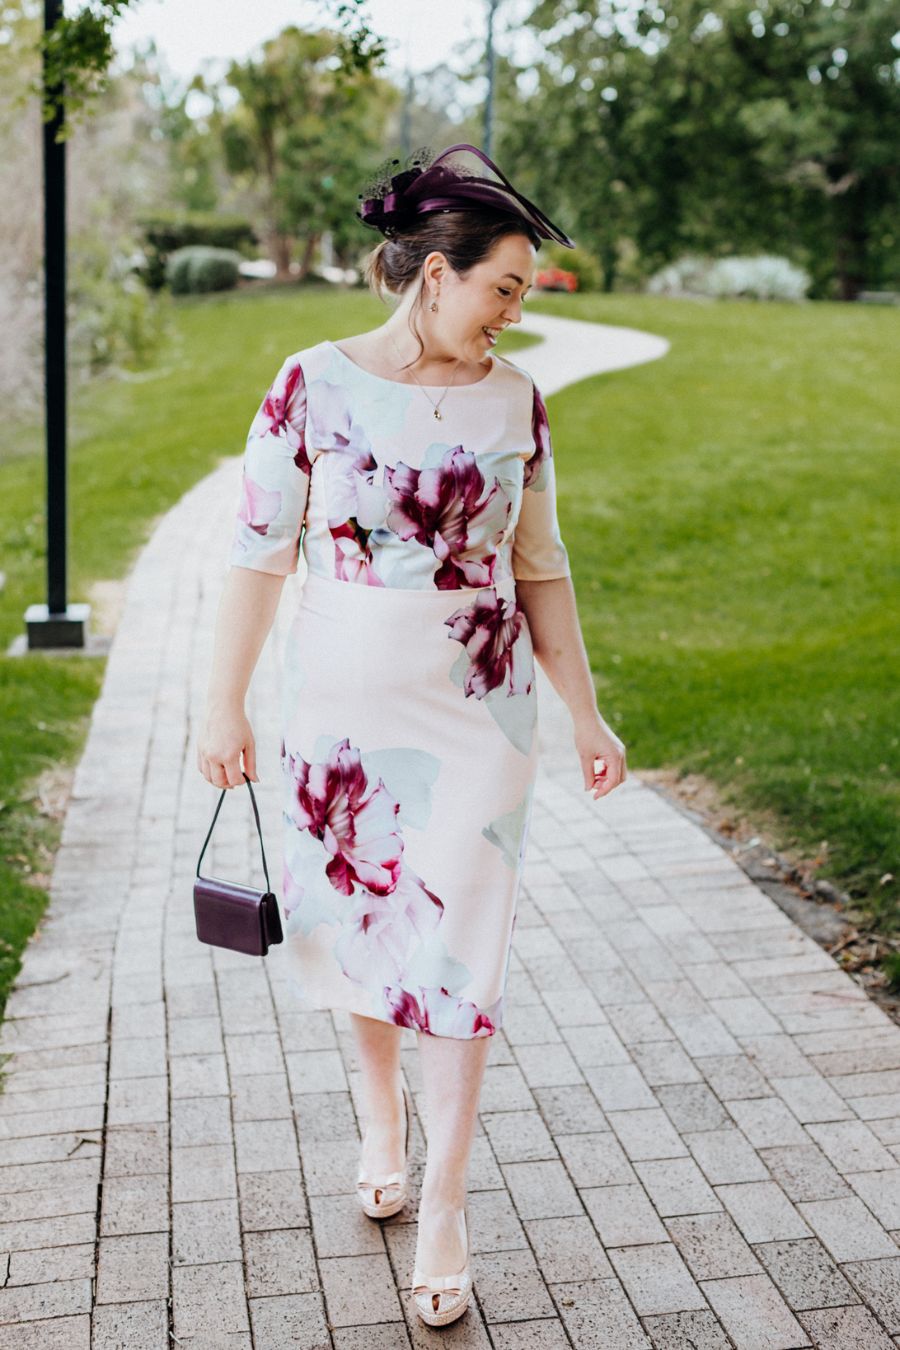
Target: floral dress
409	706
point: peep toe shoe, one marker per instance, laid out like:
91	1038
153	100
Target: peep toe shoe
386	1195
440	1299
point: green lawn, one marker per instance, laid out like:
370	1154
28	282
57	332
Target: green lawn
728	512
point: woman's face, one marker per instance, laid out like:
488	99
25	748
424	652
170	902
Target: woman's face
490	296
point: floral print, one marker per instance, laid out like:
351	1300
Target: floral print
449	510
409	709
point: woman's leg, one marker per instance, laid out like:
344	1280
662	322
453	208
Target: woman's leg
378	1047
452	1074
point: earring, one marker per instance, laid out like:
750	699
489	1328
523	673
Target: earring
433	305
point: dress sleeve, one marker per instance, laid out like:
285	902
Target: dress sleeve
274	479
539	553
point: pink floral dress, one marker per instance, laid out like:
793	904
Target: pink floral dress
409	707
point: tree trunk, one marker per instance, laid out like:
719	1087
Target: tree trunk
309	249
280	246
852	242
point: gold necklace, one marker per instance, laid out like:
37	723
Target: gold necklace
437	412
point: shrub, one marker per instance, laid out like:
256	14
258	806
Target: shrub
199	268
166	231
765	277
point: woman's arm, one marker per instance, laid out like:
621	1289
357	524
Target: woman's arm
246	612
552	615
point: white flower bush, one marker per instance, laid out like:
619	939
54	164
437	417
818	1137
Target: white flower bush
765	277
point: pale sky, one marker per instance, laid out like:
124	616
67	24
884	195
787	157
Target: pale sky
195	34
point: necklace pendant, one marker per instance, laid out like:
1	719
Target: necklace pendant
437	414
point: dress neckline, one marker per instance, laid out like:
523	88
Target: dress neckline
382	379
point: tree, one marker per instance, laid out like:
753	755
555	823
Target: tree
300	138
734	124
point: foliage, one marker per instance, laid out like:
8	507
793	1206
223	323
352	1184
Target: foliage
199	268
78	50
117	323
576	260
299	138
684	126
764	277
166	231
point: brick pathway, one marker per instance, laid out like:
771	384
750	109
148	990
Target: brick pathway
690	1129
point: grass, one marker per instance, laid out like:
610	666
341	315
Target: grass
728	512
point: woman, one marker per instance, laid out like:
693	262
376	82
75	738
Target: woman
417	468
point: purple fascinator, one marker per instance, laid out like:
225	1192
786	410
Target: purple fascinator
459	178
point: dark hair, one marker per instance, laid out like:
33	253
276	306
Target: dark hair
465	238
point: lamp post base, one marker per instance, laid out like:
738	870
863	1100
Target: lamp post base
69	628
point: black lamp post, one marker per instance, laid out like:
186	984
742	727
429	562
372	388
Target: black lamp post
489	101
55	624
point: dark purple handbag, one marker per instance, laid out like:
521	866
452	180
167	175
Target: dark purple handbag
228	914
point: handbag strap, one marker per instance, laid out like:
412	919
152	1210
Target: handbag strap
258	830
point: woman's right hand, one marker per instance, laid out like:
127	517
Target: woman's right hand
226	735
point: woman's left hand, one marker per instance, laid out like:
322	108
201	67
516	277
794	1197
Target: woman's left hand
602	756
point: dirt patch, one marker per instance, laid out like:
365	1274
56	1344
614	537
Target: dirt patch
788	877
107	600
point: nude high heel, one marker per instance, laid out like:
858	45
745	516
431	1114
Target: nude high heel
386	1196
440	1299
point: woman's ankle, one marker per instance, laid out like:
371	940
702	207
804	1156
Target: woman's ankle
442	1195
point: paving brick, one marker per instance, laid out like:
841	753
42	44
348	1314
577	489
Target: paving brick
879	1284
206	1230
852	1147
567	1249
656	1279
280	1261
392	1336
50	1299
762	1211
572	1110
494	1224
725	1157
272	1200
733	1076
703	1034
804	1173
805	1274
677	1186
646	1134
548	1065
541	1190
692	1106
847	1229
845	1329
767	1122
664	1062
510	1286
598	1316
133	1268
50	1263
620	1088
881	1192
811	1099
547	1334
623	1215
209	1299
754	1314
295	1320
687	1331
595	1046
519	1136
574	1007
135	1204
595	1159
712	1246
116	1325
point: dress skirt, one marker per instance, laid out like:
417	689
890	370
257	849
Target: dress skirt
409	706
418	796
